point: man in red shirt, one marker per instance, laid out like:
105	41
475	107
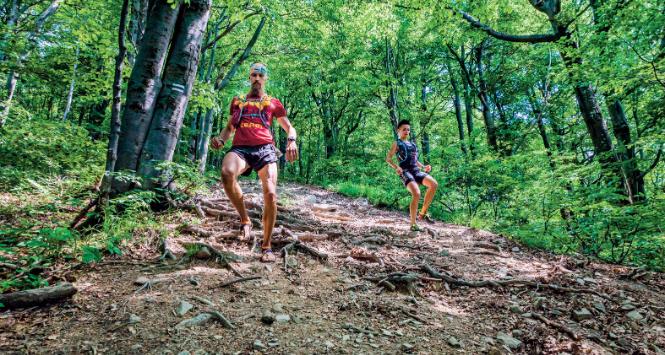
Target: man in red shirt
253	148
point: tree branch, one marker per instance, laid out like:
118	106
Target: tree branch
227	30
534	38
654	164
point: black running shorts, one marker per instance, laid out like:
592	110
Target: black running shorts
256	156
409	175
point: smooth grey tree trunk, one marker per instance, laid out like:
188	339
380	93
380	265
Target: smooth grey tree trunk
142	89
179	76
70	93
137	24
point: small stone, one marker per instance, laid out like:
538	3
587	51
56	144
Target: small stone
184	352
217	337
516	249
131	329
515	309
407	347
580	281
508	341
600	307
346	337
273	343
133	319
488	340
267	318
183	307
635	315
386	332
527	315
329	344
518	333
136	346
628	307
444	252
582	314
283	318
452	341
398	332
258	345
278	308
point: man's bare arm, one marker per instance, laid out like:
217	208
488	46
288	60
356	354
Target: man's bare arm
221	139
291	147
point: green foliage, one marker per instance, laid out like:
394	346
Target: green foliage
35	149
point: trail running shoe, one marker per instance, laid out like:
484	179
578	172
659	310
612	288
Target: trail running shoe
415	228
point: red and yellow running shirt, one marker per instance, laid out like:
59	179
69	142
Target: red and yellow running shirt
250	130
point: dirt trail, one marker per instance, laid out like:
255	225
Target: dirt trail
346	303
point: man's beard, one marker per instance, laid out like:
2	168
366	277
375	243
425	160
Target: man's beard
255	88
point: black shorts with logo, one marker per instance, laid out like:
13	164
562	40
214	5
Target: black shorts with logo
409	175
256	156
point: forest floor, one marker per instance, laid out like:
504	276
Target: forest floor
372	291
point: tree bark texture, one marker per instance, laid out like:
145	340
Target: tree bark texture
179	76
142	89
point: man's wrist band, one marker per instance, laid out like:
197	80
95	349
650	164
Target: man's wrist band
291	139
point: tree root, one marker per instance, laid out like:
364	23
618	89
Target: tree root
166	252
556	325
508	283
242	279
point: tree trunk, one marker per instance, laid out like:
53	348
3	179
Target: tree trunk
458	107
203	141
137	23
484	102
12	19
424	134
12	77
391	100
114	129
179	76
70	93
538	113
142	89
634	177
